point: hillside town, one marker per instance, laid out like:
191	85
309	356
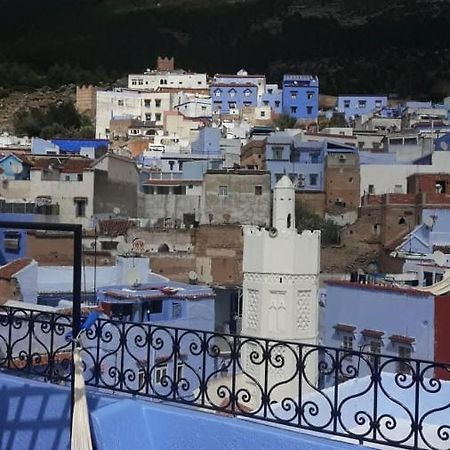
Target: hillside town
253	211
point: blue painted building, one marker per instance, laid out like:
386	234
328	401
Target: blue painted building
358	105
272	97
207	143
229	98
301	96
377	319
302	161
160	303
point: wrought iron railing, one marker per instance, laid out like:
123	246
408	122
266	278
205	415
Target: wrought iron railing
368	397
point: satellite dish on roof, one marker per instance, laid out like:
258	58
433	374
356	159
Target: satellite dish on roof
429	222
116	211
193	277
16	168
123	248
439	258
443	145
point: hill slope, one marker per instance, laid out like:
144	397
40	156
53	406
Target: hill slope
397	46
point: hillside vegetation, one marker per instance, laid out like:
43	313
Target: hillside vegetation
373	46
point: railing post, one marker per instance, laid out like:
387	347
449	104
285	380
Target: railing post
76	304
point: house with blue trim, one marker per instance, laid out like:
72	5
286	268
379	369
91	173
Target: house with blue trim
231	97
359	105
301	96
302	161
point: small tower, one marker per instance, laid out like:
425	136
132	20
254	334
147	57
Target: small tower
281	270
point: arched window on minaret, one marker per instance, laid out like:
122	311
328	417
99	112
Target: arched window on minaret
288	222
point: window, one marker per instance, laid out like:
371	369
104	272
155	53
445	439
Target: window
232	93
374	347
346	103
310	95
67	178
223	191
309	110
266	102
314	158
217	92
440	187
11	242
133	82
247	92
120	102
362	103
176	310
162	190
403	366
293	95
160	373
263	114
148	116
179	190
347	342
232	105
158	102
269	91
258	190
140	82
293	109
154	307
171	163
313	177
277	153
371	189
147	103
80	177
378	104
80	207
277	103
157	117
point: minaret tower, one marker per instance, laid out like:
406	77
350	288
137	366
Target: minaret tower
281	271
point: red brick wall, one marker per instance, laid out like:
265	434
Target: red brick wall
442	334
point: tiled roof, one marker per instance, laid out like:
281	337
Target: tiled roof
345	328
372	333
402	339
9	270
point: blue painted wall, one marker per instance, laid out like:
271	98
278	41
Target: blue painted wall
392	311
6	255
357	105
207	143
226	96
301	96
35	416
273	97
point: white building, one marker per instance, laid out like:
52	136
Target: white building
176	79
386	177
192	105
145	106
281	271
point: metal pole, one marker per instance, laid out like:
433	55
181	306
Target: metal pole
76	303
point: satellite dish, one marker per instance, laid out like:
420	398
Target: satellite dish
116	211
193	277
123	248
133	277
429	222
16	168
439	258
443	145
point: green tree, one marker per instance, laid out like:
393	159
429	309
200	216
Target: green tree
284	121
306	219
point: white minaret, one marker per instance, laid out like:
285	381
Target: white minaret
281	270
